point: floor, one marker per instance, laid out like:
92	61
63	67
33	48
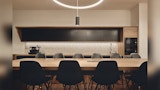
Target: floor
57	86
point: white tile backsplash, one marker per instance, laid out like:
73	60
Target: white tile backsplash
88	48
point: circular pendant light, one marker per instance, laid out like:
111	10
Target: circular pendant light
79	7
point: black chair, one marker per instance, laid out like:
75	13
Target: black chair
78	55
69	73
117	55
58	55
106	73
40	55
96	55
132	55
139	77
50	73
135	55
31	73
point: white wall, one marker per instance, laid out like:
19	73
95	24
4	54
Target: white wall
139	17
143	30
67	18
135	16
154	31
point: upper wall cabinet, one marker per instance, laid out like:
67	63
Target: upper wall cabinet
130	40
70	34
130	32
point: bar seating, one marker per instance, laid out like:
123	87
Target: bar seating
106	74
94	55
117	55
32	74
138	77
129	73
69	73
49	73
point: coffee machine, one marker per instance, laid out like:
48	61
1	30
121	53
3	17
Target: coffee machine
34	50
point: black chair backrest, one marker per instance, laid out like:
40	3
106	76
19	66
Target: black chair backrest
140	76
69	72
96	55
78	55
31	72
135	55
115	55
40	55
58	55
106	72
143	68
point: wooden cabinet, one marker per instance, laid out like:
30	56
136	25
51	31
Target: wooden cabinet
130	38
123	33
130	33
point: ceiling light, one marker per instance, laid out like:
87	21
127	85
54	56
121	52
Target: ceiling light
79	7
77	16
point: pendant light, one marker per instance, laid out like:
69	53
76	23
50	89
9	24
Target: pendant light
77	7
77	16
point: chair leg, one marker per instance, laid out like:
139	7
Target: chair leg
113	85
139	87
109	87
122	79
39	87
105	87
33	87
64	86
50	84
127	83
91	85
47	87
69	87
102	86
84	85
96	87
26	87
77	86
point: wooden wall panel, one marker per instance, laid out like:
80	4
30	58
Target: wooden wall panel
121	48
